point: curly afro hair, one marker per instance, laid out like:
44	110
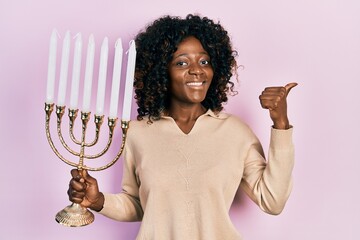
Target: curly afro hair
155	48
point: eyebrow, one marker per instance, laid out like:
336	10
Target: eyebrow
186	54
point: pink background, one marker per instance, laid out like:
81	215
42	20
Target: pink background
313	42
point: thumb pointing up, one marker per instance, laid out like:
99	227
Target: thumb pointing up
289	86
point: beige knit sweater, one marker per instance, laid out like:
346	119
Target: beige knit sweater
181	186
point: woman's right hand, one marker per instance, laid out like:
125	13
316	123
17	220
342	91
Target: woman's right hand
84	190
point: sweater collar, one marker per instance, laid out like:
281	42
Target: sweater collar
209	112
217	115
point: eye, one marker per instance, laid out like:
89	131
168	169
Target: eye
181	63
204	62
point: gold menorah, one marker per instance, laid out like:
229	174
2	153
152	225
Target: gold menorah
76	215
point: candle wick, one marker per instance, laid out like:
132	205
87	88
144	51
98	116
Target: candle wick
118	42
57	33
77	35
130	43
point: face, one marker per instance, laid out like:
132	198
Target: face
190	72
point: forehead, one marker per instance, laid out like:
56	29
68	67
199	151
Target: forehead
190	45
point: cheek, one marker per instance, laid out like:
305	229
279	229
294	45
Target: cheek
175	83
176	78
210	74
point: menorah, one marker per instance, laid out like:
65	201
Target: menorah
76	215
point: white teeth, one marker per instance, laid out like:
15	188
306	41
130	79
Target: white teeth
194	83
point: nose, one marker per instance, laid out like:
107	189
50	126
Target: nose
195	69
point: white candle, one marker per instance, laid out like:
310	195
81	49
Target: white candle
102	78
50	86
88	74
64	70
130	71
115	88
74	96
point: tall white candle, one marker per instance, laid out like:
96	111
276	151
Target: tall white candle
100	98
74	96
130	71
50	86
89	68
64	70
115	88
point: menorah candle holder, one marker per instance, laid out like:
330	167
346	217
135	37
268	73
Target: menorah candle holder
75	215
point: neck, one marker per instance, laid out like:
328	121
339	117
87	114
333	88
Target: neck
186	113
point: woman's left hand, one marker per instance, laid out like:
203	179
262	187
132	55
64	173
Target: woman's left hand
274	99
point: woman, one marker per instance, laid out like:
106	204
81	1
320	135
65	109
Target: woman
184	159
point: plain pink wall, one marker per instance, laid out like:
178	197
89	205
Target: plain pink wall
313	42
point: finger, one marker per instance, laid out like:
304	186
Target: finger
75	199
75	174
275	95
272	88
289	86
269	104
87	177
276	91
78	186
75	194
270	97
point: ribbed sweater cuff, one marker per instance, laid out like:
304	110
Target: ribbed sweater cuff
281	139
108	201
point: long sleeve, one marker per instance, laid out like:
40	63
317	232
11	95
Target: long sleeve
269	183
125	206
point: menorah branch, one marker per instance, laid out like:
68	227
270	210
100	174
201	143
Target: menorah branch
60	113
49	109
111	124
81	155
124	127
72	117
98	120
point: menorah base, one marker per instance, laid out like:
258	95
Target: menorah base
74	216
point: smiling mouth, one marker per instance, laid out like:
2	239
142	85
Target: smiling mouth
195	84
